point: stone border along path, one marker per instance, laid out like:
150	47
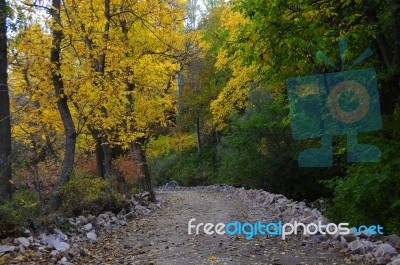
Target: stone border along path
143	236
267	207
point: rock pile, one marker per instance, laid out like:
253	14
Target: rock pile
271	207
63	247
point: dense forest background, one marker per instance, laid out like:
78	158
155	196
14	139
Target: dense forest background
111	97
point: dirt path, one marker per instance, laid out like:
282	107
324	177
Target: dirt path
162	238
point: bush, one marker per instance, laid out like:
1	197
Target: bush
159	168
21	210
369	193
188	168
191	169
175	158
259	152
91	195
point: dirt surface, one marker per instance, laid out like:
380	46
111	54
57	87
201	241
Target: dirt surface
162	237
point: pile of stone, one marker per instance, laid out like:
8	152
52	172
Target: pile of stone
368	248
83	229
271	207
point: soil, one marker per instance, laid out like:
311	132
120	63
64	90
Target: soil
162	237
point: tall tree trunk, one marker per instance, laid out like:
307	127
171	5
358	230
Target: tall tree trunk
198	135
5	121
144	182
103	155
99	156
62	104
103	150
138	153
107	156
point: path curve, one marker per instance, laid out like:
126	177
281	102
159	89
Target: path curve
162	237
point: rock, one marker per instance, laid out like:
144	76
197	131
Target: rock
64	261
356	247
59	234
316	213
368	245
385	249
91	236
81	220
395	261
23	241
130	215
350	237
308	220
26	233
60	246
376	237
172	184
123	223
54	253
107	226
88	227
22	249
381	260
393	240
6	249
91	218
121	214
114	219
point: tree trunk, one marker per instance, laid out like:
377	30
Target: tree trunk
5	121
62	104
144	182
103	155
198	135
107	155
99	158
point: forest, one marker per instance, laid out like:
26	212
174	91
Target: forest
103	99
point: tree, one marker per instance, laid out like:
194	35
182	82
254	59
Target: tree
5	120
62	100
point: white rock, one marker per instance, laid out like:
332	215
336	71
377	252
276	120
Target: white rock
88	227
22	249
91	236
82	220
395	261
60	246
64	261
91	218
308	220
385	248
368	245
23	241
381	261
59	234
6	249
356	247
27	233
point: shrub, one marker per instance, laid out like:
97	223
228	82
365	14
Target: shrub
369	193
188	168
91	195
21	210
258	152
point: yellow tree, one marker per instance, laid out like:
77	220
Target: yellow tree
233	96
115	64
